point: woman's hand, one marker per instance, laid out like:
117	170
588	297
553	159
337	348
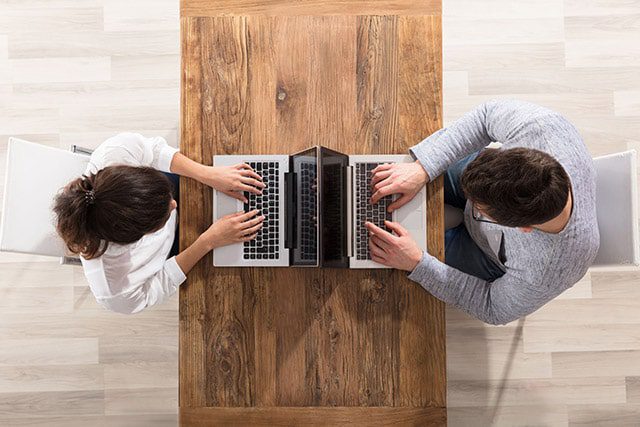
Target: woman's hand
398	178
400	251
234	228
233	180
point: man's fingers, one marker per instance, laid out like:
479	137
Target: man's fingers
376	250
382	184
244	166
377	231
379	176
379	242
382	167
379	260
384	191
397	228
236	195
252	181
400	202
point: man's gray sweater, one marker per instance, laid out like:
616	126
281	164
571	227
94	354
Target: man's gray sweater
539	266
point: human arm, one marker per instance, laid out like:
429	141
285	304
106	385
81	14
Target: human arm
234	228
134	149
231	180
501	301
507	121
142	287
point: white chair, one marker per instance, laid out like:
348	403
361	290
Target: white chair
617	209
34	175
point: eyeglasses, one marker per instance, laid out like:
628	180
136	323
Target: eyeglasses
478	216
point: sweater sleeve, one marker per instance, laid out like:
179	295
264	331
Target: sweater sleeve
501	301
505	121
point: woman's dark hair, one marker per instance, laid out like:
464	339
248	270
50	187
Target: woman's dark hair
119	204
517	187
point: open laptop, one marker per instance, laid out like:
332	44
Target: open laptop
315	205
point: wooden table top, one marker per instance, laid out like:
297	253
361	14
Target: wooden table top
260	346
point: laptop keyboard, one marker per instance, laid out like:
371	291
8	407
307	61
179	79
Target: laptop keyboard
308	203
266	245
365	211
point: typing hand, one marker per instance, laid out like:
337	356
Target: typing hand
398	251
234	180
233	228
398	178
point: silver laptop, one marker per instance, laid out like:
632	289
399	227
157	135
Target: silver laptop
315	205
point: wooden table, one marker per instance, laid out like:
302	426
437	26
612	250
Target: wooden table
296	346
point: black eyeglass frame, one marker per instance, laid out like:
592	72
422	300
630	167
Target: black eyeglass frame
476	216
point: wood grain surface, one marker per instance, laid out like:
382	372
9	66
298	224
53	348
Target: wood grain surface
314	417
295	337
309	7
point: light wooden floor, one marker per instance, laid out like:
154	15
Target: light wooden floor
77	71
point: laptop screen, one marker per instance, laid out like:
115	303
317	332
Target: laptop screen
304	166
333	215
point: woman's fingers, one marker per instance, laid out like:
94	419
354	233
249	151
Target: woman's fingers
250	173
252	222
236	195
245	216
249	188
252	230
252	181
247	238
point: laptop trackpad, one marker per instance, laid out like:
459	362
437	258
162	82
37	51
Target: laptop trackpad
227	205
411	215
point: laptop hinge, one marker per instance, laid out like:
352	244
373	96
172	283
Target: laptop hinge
350	230
290	209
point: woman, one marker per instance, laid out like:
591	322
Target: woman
121	217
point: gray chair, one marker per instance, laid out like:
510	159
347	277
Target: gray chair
617	207
34	175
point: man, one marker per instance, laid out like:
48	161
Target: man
529	230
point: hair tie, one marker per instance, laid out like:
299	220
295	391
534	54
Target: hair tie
89	197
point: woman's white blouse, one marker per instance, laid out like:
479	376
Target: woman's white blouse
130	278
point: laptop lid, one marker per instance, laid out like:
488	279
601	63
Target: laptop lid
333	213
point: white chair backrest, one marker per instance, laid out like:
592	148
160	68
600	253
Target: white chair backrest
34	175
617	207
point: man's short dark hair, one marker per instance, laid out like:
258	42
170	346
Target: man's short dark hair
517	187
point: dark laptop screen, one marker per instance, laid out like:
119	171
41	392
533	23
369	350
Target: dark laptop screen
304	166
333	196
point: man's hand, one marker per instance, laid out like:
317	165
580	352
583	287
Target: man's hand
399	251
233	180
398	178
